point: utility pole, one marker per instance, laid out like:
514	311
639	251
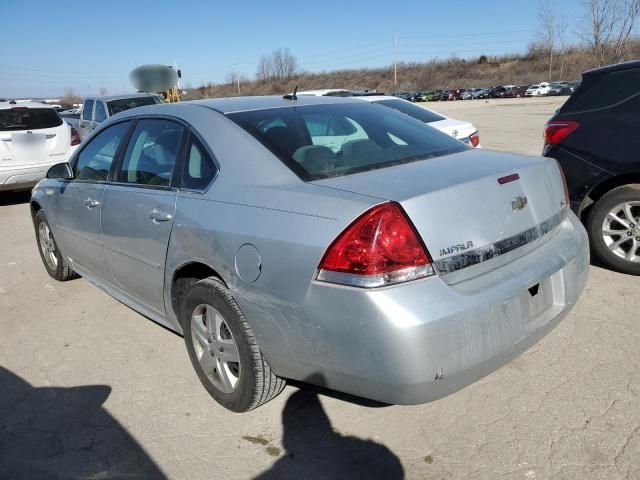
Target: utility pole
395	58
238	81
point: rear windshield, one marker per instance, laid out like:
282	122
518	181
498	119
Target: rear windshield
324	141
22	118
419	113
122	104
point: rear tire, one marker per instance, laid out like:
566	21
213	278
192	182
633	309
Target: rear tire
216	335
53	261
615	241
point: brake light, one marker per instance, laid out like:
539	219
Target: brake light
75	137
557	130
474	139
380	247
564	185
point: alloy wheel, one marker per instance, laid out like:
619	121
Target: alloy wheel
621	231
47	246
215	348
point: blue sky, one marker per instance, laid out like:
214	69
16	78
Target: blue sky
48	46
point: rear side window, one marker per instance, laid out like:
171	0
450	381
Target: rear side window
612	89
151	153
412	110
122	104
100	113
199	168
329	140
95	159
87	110
22	118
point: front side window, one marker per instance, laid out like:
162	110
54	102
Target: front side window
100	113
329	140
199	168
151	153
95	159
87	110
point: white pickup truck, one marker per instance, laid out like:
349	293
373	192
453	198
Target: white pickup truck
98	109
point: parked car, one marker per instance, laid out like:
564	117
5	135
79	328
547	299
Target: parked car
538	90
559	88
434	96
293	238
594	136
33	137
97	109
456	94
482	93
469	93
495	92
516	91
573	86
461	130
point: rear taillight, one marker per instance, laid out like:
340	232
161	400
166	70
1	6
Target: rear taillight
564	185
75	137
381	247
557	130
474	139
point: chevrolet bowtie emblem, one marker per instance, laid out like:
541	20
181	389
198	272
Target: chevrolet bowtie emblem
519	203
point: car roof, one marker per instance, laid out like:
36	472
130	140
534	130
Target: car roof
374	98
241	104
323	91
106	98
7	105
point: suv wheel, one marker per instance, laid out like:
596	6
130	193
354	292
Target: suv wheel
223	350
614	229
53	261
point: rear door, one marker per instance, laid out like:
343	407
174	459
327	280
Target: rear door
138	210
86	123
78	202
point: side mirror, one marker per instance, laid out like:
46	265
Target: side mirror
60	171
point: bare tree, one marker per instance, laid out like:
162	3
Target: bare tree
280	65
103	90
608	24
548	31
562	41
70	97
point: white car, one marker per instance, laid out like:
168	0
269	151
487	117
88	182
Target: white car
459	129
537	90
33	137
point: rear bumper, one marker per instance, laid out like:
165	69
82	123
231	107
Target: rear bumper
423	340
26	176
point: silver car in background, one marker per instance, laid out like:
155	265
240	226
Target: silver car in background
320	239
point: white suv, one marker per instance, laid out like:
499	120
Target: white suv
33	137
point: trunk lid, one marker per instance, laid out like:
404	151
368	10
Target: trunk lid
458	129
458	205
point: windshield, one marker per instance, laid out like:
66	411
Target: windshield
122	104
23	118
324	141
419	113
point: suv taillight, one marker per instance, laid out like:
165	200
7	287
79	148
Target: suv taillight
381	247
75	137
474	139
557	130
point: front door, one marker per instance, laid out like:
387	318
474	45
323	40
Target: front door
78	202
138	210
85	122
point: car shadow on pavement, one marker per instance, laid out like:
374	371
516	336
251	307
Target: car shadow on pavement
316	450
56	433
14	198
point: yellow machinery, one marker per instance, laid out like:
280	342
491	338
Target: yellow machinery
160	79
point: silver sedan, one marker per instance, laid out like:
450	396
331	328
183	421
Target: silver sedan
320	239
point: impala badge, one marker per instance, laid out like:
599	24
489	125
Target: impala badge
519	203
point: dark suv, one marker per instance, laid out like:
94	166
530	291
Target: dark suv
595	136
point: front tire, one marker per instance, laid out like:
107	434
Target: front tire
614	229
223	350
53	261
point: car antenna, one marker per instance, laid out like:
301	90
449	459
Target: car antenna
293	95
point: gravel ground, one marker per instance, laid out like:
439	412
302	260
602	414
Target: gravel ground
90	389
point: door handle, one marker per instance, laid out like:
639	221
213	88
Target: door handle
157	215
91	203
